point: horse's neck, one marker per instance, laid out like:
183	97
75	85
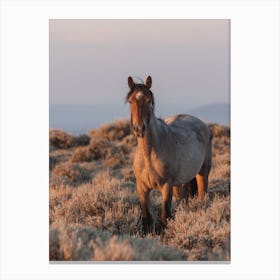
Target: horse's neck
151	140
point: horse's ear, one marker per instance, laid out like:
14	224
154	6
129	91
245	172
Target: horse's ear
131	83
149	82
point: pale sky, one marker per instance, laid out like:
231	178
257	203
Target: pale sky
189	61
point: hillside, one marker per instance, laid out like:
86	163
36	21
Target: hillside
94	211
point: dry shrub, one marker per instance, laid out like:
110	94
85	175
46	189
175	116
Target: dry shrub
130	141
63	140
113	131
58	196
125	248
81	140
220	154
114	249
151	249
52	162
111	155
73	242
61	155
84	154
101	147
128	174
118	148
60	139
97	149
220	168
219	130
113	162
220	186
104	204
115	157
97	218
70	173
202	229
79	242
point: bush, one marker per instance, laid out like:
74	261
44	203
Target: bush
95	214
81	140
202	229
219	130
99	149
74	172
52	162
63	140
111	132
104	204
83	243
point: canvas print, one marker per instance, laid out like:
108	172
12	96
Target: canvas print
139	140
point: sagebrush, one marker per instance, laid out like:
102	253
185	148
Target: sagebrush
94	211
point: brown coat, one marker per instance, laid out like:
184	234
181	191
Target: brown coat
170	153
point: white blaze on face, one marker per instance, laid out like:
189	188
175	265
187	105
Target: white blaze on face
139	95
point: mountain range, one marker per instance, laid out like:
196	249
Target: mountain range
78	119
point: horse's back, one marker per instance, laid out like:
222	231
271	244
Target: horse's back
183	120
189	125
194	150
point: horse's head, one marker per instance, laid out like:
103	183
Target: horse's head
141	101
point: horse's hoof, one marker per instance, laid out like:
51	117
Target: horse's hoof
158	229
147	228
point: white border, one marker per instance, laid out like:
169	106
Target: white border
255	137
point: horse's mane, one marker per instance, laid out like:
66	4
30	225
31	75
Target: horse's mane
162	122
144	90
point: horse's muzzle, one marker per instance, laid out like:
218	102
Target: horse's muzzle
139	131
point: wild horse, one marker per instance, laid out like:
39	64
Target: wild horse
171	155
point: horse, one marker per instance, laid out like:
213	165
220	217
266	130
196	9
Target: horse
172	155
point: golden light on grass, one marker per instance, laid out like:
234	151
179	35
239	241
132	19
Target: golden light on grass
94	210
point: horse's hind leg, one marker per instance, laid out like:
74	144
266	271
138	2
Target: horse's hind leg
202	185
202	176
183	192
166	191
180	192
176	193
192	188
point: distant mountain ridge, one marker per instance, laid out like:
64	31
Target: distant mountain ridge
214	113
78	119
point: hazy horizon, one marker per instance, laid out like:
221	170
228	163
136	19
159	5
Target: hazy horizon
79	119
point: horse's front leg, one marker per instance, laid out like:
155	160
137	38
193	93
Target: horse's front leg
145	202
166	203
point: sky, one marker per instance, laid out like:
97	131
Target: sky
189	61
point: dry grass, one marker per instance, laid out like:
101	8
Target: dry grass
80	242
201	229
95	212
104	204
